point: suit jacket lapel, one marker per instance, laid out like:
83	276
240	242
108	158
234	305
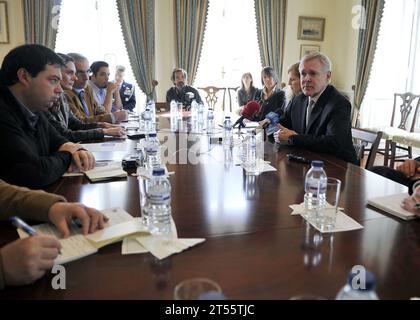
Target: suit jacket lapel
318	108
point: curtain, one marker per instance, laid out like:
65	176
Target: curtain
368	36
138	26
41	21
190	20
271	25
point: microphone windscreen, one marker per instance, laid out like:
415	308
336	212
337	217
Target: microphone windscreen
250	109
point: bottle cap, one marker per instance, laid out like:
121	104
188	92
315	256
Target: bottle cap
158	172
317	164
152	135
369	279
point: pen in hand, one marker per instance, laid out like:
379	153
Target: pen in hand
20	224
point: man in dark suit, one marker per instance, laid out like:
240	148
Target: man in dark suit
319	118
127	94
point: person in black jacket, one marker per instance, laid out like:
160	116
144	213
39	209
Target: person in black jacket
63	119
33	153
407	173
319	118
271	98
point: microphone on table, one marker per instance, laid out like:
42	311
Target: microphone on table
248	112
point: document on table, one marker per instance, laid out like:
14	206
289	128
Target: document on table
392	205
106	171
77	246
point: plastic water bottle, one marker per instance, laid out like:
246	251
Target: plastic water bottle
359	290
251	159
173	109
147	120
210	120
194	110
200	113
152	150
227	133
315	189
159	203
152	106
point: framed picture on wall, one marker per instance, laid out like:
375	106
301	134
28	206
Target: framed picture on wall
308	48
311	28
4	27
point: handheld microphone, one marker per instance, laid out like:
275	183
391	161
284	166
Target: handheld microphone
248	112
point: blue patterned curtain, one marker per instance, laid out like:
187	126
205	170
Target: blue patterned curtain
190	20
41	21
368	37
138	26
271	25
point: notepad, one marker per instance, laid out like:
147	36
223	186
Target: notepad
77	246
392	204
107	171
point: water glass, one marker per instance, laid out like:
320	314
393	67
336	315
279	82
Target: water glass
198	289
326	215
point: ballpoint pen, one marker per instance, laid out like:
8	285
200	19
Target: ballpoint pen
20	224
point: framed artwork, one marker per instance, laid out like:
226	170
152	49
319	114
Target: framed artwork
308	48
310	28
4	23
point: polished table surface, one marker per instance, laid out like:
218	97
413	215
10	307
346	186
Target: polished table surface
254	248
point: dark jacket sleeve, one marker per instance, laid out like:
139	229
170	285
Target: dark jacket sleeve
21	161
335	136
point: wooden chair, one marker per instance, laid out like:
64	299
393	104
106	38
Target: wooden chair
403	122
212	96
232	92
361	139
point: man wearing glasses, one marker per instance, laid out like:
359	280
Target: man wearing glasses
319	118
81	99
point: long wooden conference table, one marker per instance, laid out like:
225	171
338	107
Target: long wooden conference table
254	248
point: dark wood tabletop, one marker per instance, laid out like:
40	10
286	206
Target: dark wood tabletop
254	248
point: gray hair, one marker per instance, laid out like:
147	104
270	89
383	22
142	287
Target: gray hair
77	56
325	61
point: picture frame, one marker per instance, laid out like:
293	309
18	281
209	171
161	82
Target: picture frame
311	28
4	23
308	48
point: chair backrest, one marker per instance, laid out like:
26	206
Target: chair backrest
213	94
361	139
233	94
405	116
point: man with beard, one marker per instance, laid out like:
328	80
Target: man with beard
33	153
181	91
105	93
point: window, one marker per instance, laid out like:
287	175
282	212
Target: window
92	28
396	68
230	45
